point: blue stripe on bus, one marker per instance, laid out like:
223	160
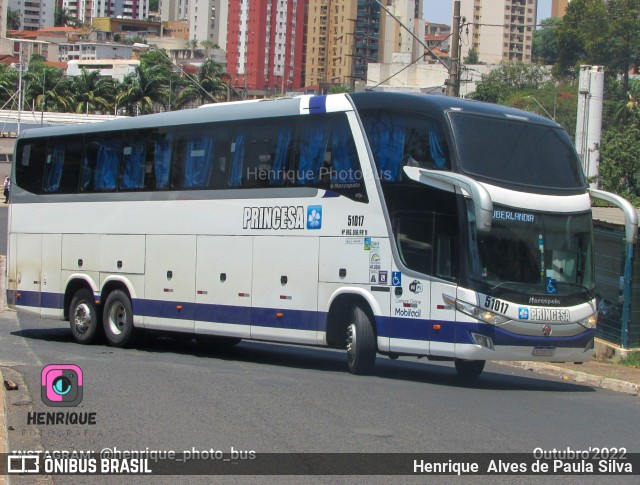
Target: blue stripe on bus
391	327
318	105
460	332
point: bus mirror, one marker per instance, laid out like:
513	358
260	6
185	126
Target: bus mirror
630	214
482	203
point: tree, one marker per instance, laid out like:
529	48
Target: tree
472	57
619	161
13	19
502	82
602	32
208	85
545	41
91	92
142	91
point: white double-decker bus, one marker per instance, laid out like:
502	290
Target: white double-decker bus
378	223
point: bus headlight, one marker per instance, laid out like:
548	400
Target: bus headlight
474	311
590	322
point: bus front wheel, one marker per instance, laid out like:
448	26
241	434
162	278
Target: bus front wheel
117	320
361	342
469	369
83	317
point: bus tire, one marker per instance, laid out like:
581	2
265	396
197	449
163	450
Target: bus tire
117	320
361	343
83	317
469	369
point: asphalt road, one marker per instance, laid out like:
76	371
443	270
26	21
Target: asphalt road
170	394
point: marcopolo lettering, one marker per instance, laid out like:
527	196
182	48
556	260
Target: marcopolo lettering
286	217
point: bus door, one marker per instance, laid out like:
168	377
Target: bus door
285	288
223	285
421	320
28	250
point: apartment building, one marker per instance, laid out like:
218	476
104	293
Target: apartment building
559	7
342	38
265	45
34	14
499	30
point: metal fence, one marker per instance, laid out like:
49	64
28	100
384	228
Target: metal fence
610	256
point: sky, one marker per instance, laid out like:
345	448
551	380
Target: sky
441	11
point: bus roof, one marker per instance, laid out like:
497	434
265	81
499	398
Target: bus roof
438	105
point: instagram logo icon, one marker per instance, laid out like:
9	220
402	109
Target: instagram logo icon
61	385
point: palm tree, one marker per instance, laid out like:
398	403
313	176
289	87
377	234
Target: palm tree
209	85
145	89
8	85
92	92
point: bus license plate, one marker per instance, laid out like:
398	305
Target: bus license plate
544	351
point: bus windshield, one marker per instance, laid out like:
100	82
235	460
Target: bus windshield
534	253
507	159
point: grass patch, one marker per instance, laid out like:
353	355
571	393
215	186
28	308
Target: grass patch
631	360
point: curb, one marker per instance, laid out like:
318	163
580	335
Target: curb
3	427
579	377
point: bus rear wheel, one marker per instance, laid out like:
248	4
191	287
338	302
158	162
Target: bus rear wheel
117	320
361	343
83	317
469	369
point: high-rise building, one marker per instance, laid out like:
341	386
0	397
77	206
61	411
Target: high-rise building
34	14
207	18
85	10
559	7
265	45
394	38
342	38
499	30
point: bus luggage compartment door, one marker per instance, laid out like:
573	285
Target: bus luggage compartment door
28	272
285	289
223	285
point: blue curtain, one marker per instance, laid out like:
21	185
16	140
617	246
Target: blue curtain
162	160
56	163
280	161
344	158
436	148
133	174
387	142
235	177
313	145
106	174
198	157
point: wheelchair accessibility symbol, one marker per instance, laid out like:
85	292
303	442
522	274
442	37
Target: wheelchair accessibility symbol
396	278
551	286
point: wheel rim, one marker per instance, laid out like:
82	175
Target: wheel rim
117	318
82	317
351	342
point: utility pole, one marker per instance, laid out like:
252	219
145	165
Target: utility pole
453	83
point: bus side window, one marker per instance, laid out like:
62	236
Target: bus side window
101	163
30	164
237	158
134	156
220	157
162	156
198	157
313	140
62	165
